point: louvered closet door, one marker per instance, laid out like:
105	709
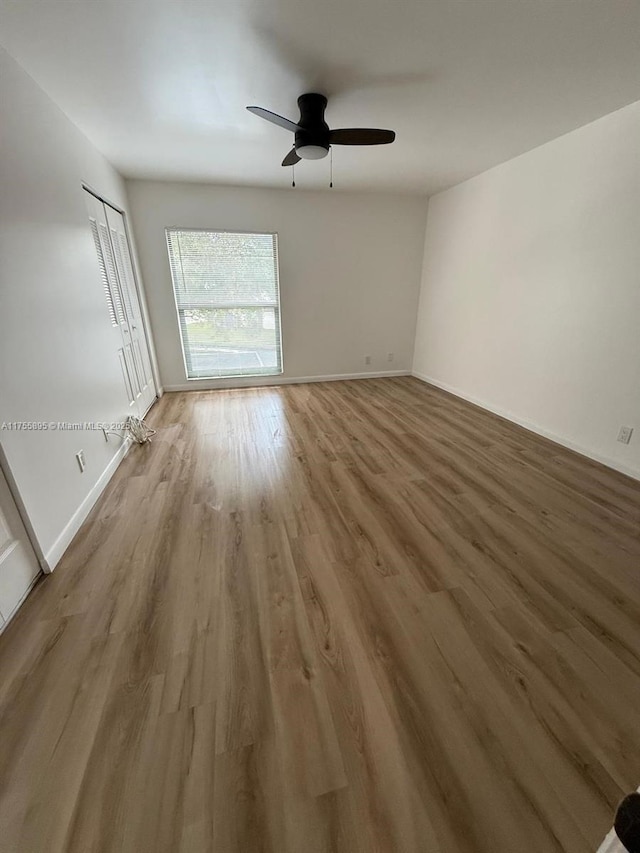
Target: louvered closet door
138	340
115	304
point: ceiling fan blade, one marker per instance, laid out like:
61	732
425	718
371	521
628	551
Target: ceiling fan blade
291	159
361	136
274	118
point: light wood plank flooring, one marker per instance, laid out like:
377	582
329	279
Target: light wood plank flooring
357	617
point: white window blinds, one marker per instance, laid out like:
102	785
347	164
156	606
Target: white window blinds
228	301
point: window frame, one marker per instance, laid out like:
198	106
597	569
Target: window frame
180	309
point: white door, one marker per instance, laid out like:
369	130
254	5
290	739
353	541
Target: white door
138	339
140	392
18	563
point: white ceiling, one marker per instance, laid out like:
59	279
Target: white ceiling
160	86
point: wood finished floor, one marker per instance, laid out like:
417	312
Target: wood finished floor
357	617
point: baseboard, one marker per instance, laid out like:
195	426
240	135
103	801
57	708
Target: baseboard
532	427
53	555
259	381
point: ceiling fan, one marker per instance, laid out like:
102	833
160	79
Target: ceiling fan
313	136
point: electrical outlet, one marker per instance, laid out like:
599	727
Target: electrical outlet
367	359
625	434
81	460
389	356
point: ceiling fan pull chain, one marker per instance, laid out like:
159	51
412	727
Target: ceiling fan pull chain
330	168
293	169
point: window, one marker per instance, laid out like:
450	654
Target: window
228	301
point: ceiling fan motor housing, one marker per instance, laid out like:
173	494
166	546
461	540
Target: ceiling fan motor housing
314	131
312	136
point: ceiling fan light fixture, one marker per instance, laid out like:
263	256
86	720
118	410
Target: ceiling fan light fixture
312	152
313	138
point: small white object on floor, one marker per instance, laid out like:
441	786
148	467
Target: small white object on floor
138	430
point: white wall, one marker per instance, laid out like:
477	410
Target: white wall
57	356
349	271
530	299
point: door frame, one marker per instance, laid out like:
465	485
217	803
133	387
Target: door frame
142	302
5	468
